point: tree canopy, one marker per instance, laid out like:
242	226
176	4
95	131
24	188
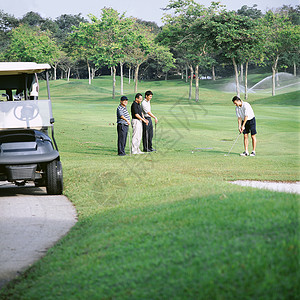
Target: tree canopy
193	37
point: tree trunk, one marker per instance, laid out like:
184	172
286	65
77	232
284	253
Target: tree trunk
213	73
121	73
166	76
273	80
274	67
186	74
295	69
246	81
89	71
236	77
136	77
197	83
242	72
114	82
191	82
69	72
129	75
133	75
54	73
181	74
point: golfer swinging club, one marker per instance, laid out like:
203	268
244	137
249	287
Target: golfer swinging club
246	123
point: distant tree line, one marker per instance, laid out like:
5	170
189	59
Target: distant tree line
201	38
194	41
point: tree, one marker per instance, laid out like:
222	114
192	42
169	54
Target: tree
82	45
291	58
164	59
183	32
7	23
282	37
292	13
65	64
252	49
114	33
251	12
173	35
140	49
50	25
236	37
152	26
32	19
65	24
32	44
144	47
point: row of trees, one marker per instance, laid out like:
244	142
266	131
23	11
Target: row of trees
205	36
193	38
111	40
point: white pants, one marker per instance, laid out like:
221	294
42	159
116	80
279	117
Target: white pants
137	130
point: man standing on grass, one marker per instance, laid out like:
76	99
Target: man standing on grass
246	123
137	127
148	130
123	121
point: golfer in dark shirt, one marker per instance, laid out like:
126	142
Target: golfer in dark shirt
123	121
148	130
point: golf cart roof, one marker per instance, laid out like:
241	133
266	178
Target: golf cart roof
15	68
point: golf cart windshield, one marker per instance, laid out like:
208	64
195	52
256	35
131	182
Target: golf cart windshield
17	111
31	114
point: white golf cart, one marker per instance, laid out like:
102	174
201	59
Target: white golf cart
27	153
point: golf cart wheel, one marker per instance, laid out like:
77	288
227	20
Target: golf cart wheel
54	179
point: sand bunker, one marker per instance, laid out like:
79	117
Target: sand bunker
287	187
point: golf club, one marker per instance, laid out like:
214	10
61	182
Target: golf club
155	146
233	144
147	138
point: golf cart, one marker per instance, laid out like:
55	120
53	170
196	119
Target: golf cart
27	153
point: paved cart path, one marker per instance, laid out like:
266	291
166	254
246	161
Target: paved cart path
30	223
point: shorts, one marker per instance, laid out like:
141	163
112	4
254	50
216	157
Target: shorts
250	127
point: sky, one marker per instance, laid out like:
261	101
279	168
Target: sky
148	10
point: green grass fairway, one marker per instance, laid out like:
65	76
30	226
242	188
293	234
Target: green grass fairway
169	225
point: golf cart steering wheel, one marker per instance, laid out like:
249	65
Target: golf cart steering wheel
27	112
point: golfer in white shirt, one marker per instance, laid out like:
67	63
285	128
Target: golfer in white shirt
246	123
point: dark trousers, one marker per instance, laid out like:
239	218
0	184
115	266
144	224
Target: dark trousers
147	135
122	137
